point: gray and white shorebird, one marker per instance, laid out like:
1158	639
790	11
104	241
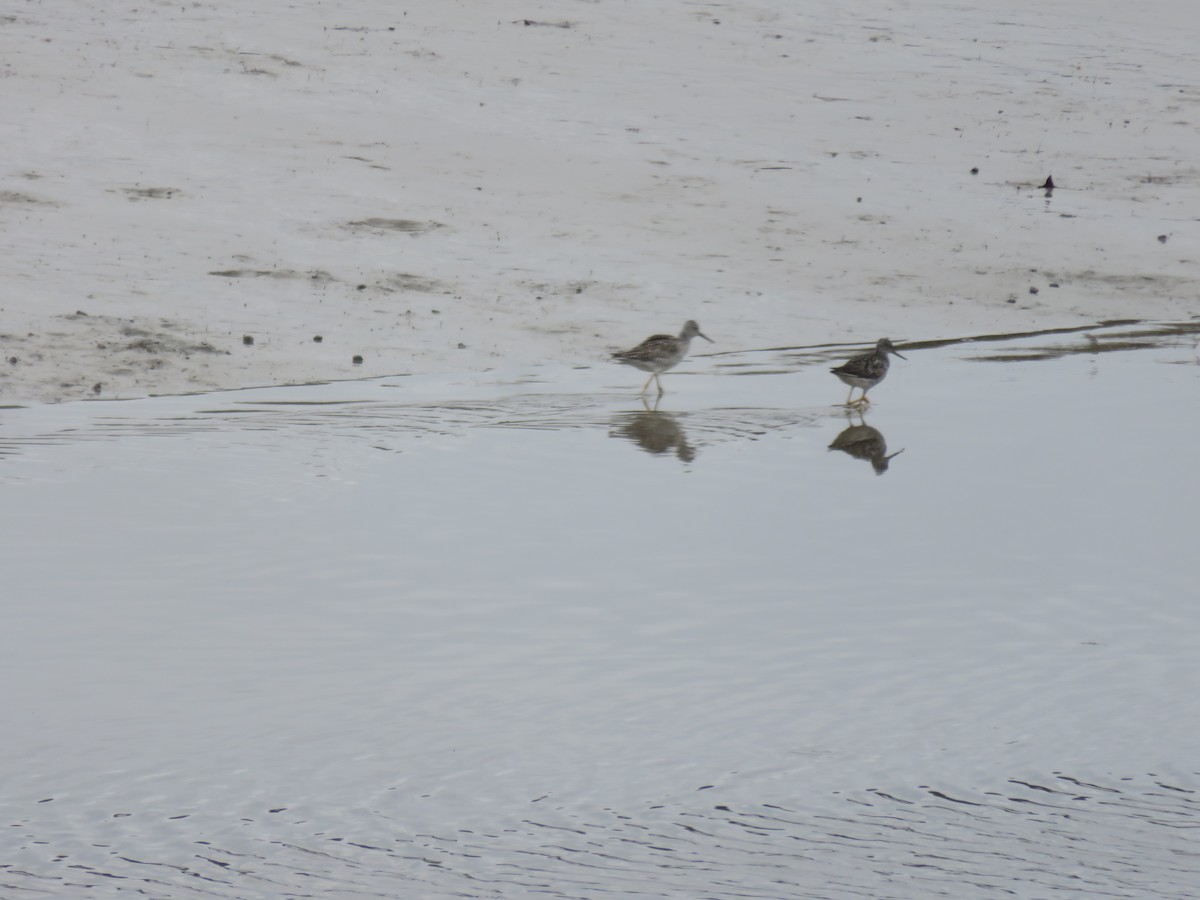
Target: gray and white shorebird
660	352
866	370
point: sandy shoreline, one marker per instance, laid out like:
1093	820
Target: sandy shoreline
435	189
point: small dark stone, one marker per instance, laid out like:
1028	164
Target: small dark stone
357	360
80	312
974	170
1054	284
462	346
317	339
1011	300
1162	238
97	387
247	340
1033	290
13	360
360	287
859	200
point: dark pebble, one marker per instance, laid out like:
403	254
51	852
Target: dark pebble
1033	290
317	339
1162	238
247	340
357	360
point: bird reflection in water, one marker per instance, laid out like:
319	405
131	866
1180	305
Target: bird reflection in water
864	442
655	432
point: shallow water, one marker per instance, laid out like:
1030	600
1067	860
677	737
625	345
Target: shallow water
501	636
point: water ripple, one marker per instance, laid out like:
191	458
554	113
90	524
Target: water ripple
1085	837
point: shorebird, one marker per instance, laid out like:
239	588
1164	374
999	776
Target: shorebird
660	352
866	371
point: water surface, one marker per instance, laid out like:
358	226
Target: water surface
511	635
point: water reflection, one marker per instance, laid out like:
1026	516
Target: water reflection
1141	336
864	442
655	432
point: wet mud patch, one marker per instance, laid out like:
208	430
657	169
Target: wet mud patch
283	60
161	342
377	225
318	275
404	281
16	197
150	193
1172	178
534	23
248	69
388	283
1127	282
575	288
369	162
98	356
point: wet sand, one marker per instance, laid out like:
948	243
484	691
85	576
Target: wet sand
204	198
